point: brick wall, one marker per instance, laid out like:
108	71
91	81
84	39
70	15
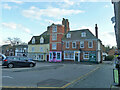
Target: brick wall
60	33
78	43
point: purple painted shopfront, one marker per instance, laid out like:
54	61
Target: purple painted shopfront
55	56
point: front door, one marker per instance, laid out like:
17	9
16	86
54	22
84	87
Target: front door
76	57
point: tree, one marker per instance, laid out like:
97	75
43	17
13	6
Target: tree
13	41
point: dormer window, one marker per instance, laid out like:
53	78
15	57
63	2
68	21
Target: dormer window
68	35
33	41
83	34
54	28
41	40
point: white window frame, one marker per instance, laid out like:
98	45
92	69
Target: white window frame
68	35
85	54
54	28
55	47
69	57
67	43
51	56
60	55
40	56
42	49
83	34
89	44
54	37
72	44
33	49
81	42
33	41
41	40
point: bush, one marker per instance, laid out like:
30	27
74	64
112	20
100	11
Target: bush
109	58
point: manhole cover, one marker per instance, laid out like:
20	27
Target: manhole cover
52	83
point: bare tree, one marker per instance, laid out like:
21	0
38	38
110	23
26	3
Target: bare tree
13	41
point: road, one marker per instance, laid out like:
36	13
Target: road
60	75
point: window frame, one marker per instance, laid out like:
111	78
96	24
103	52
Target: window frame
89	44
72	44
54	37
70	57
69	35
83	34
54	28
81	42
85	53
41	40
55	45
33	41
33	49
67	43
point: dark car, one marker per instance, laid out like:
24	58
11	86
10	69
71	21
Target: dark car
11	62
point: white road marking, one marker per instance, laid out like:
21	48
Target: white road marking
7	77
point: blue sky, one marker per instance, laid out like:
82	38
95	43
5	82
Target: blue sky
25	19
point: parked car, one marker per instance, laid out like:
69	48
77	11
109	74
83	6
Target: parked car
13	61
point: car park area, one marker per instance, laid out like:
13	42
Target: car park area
59	75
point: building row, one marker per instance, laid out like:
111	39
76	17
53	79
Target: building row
59	43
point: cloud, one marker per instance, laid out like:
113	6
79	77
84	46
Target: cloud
36	13
108	38
51	21
15	1
14	26
69	2
6	6
10	25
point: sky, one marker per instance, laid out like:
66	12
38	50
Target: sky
23	19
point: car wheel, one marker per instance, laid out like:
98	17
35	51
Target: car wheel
31	65
10	65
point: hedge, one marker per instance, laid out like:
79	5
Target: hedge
109	58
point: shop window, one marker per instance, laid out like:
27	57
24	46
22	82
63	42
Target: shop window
86	56
41	56
69	55
50	56
58	56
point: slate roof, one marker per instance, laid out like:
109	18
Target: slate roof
76	35
45	35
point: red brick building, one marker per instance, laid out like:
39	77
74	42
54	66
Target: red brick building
82	45
57	32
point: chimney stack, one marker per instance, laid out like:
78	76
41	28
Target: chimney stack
96	30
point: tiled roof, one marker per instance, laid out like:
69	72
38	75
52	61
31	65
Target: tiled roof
45	35
76	35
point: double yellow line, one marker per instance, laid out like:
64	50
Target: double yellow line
68	84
